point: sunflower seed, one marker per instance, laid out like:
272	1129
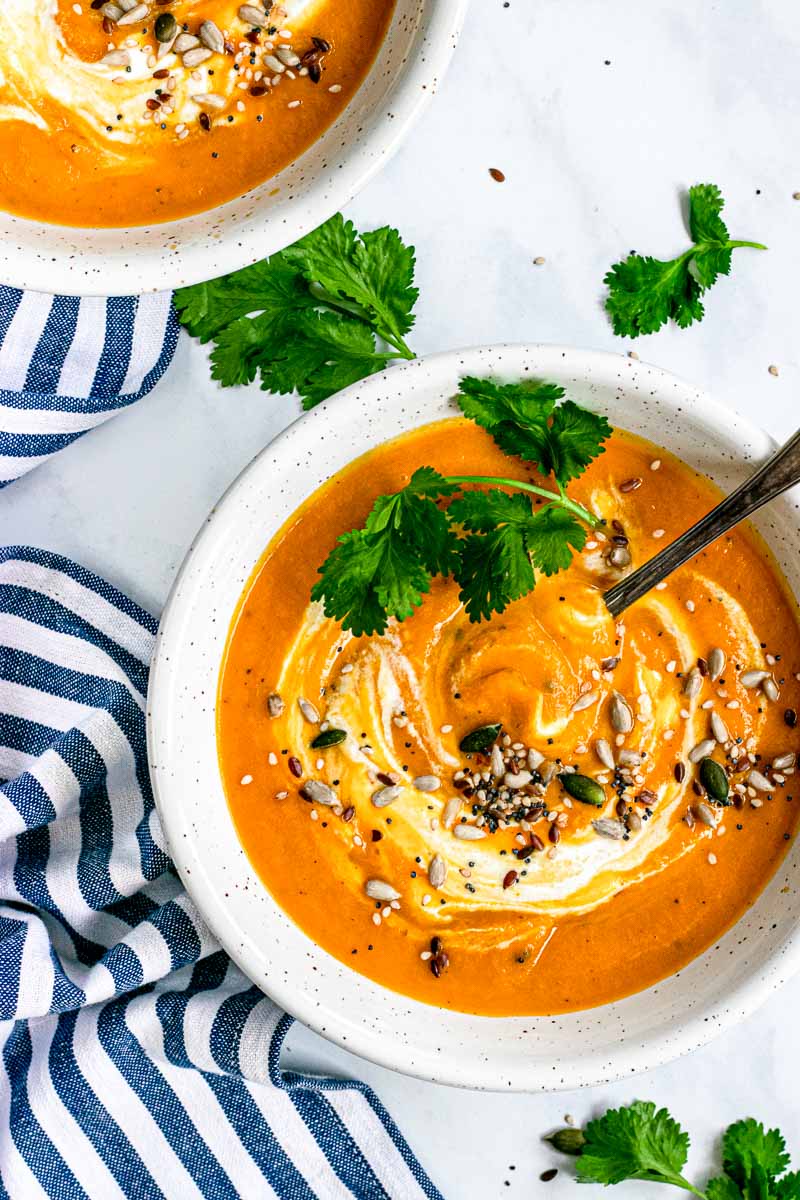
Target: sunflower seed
604	752
620	556
275	704
535	759
308	710
719	728
584	701
274	64
630	758
716	663
547	771
426	783
134	15
378	889
784	762
620	714
609	828
496	764
759	782
210	100
116	58
451	811
193	58
437	871
112	11
386	795
319	793
212	37
287	56
252	15
184	42
469	833
693	683
702	750
520	780
704	814
751	679
770	689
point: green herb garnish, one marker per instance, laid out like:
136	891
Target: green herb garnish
314	318
493	542
645	293
642	1142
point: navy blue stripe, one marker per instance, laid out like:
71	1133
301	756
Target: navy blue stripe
31	1141
19	734
33	852
109	1140
10	300
335	1141
28	796
178	932
116	356
161	1101
226	1031
51	350
34	445
12	941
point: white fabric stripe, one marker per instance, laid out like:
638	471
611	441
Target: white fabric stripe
58	1122
148	339
299	1143
125	799
129	1112
57	712
83	357
23	336
36	974
208	943
48	421
256	1037
19	1179
376	1145
64	650
202	1107
100	613
13	467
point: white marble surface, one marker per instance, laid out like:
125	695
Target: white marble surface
596	154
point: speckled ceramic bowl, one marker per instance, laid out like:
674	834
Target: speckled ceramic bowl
87	262
526	1054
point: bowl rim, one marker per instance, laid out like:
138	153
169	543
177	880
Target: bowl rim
699	1027
76	271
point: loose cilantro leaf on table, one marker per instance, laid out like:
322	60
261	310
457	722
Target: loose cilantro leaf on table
493	542
642	1142
645	293
314	318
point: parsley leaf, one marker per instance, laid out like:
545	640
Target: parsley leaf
637	1142
307	319
645	293
523	419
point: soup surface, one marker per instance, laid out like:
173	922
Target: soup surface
540	910
102	123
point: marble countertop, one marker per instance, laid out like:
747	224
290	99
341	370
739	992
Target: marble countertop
599	115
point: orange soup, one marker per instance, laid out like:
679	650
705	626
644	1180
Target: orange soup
126	113
478	880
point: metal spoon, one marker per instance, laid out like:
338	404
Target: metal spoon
777	475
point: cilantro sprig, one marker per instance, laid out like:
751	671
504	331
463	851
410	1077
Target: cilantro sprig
645	293
640	1141
314	318
493	542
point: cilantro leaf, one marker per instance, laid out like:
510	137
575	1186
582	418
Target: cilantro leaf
747	1146
788	1188
722	1188
307	318
523	419
553	535
637	1142
645	293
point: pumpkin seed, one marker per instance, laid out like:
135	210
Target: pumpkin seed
469	833
329	737
319	793
437	871
620	714
479	739
165	27
702	750
609	828
751	679
583	788
386	795
714	779
716	663
426	783
604	752
378	889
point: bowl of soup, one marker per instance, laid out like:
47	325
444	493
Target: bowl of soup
150	145
384	831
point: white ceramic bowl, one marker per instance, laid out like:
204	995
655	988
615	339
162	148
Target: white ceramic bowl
89	262
522	1053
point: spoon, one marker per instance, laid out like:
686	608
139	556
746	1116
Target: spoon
780	472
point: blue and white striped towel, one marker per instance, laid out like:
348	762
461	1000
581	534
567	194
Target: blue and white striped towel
135	1059
68	364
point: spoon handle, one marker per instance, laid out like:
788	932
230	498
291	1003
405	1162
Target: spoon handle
777	474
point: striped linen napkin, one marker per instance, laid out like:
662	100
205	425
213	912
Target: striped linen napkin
68	364
135	1059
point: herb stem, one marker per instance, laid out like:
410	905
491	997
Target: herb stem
752	245
351	308
561	499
